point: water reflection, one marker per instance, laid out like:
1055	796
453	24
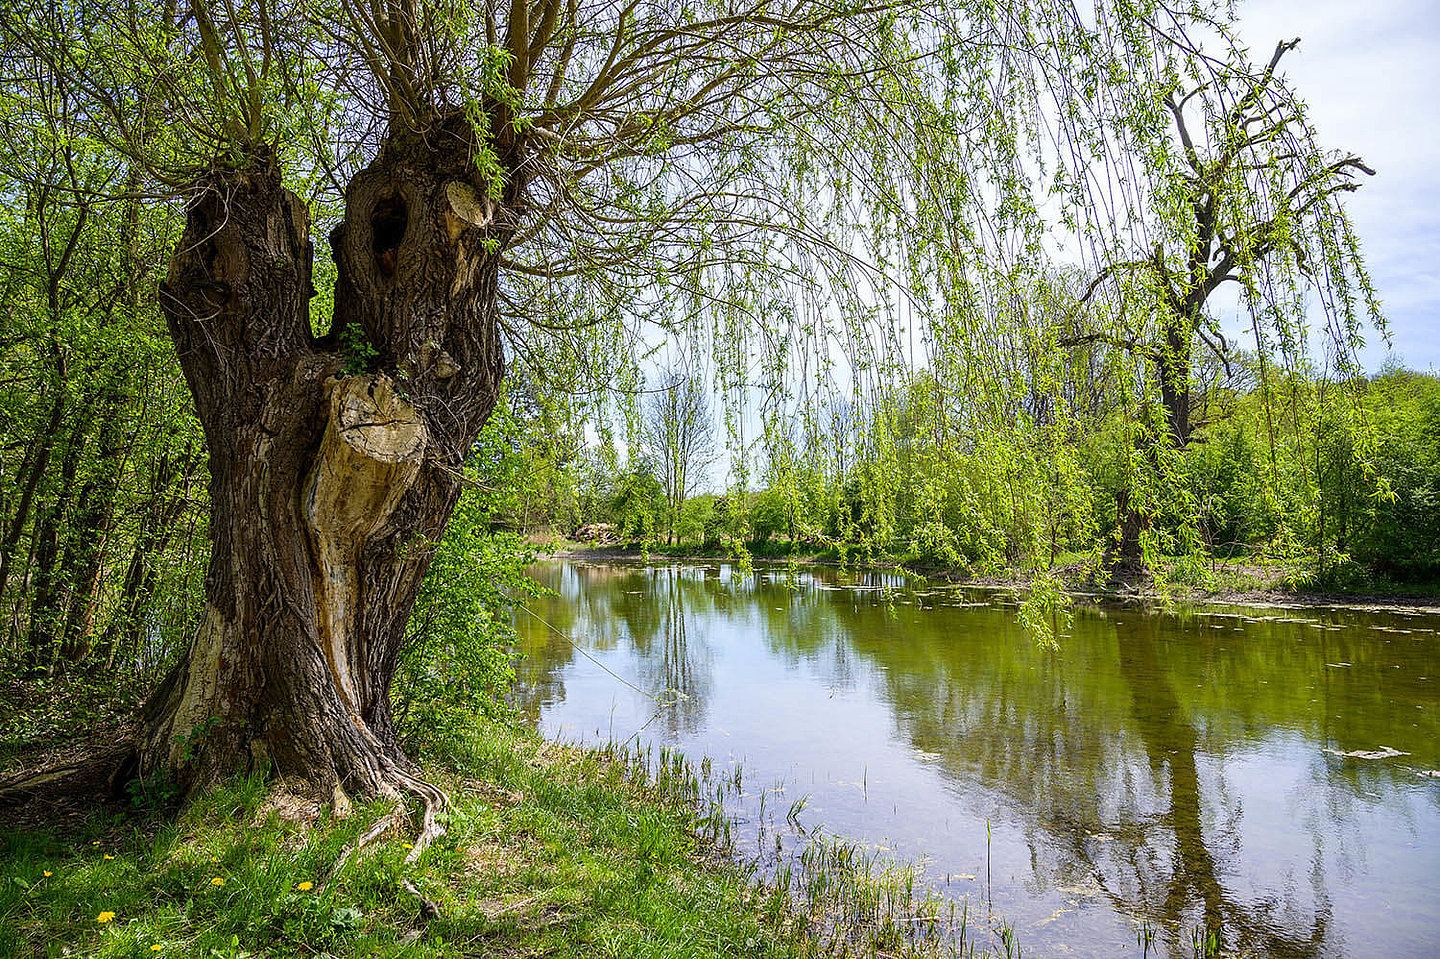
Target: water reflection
1189	873
1154	767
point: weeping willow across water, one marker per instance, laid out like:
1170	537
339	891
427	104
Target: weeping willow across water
965	300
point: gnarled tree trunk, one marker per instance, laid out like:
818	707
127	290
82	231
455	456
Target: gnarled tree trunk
334	461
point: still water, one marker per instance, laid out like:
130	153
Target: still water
1176	770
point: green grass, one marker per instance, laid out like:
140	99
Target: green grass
549	850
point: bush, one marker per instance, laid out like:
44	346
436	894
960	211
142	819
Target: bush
455	661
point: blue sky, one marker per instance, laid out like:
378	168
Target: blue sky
1370	72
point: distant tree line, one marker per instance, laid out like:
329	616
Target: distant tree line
1286	475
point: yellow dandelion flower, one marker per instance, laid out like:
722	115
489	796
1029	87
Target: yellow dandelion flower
48	874
214	858
95	843
217	881
156	948
108	856
409	845
305	886
105	916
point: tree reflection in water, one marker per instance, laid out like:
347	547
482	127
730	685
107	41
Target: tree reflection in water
1191	874
605	607
1131	765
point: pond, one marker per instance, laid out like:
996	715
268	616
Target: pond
1180	771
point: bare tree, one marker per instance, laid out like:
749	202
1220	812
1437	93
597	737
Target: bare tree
679	436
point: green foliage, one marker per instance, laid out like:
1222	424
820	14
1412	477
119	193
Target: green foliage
771	515
154	792
102	507
697	520
725	524
455	662
357	350
1382	513
637	504
1335	484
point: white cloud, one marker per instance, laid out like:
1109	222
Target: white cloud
1371	75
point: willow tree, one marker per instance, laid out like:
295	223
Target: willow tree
1242	194
1226	184
764	179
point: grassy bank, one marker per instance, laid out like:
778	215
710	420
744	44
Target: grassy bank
549	850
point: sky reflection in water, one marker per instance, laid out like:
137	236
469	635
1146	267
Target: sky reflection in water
1181	768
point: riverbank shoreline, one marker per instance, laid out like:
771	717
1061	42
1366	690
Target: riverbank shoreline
550	849
1244	586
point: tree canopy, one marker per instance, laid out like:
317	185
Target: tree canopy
918	218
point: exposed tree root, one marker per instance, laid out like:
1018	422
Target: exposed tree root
435	801
382	826
428	908
68	789
44	780
74	777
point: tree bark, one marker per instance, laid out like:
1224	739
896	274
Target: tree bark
1173	360
1128	558
329	483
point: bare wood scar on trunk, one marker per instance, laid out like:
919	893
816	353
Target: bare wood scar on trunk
370	455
